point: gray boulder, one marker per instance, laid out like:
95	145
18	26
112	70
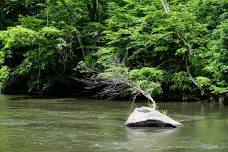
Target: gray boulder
148	117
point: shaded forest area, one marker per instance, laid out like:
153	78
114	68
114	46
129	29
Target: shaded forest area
173	49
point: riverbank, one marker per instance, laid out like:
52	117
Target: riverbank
140	99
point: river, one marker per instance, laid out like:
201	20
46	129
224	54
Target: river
83	125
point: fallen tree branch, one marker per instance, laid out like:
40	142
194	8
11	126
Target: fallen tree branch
113	88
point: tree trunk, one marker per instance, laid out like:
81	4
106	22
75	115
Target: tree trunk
144	93
165	5
2	15
95	10
186	60
221	99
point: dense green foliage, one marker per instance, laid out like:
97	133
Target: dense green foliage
180	53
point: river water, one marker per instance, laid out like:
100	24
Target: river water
82	125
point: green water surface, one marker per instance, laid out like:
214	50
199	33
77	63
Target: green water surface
82	125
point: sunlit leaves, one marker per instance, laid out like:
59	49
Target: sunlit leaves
203	81
17	37
181	82
153	88
219	90
148	73
4	75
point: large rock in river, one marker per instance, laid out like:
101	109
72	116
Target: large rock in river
149	117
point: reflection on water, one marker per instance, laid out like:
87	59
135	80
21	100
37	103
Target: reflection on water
80	125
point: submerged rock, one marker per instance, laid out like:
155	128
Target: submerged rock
148	117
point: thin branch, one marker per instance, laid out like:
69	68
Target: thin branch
114	88
165	62
165	5
186	59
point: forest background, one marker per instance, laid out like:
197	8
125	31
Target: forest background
84	47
